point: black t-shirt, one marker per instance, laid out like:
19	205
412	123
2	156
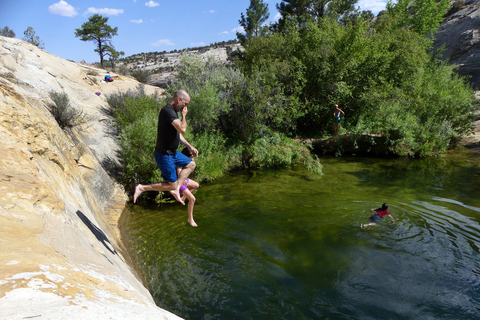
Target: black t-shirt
168	137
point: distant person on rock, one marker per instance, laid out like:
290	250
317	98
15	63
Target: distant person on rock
169	134
376	217
187	188
337	112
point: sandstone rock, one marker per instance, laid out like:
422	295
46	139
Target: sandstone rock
60	253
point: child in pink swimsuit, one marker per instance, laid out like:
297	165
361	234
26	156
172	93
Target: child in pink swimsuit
186	190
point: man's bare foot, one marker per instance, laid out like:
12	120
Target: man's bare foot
137	193
176	194
192	223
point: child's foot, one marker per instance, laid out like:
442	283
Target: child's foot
137	193
176	194
192	223
363	226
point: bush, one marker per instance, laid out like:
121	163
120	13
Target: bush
64	114
141	75
276	150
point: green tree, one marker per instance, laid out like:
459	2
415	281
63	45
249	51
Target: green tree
113	55
7	32
422	16
254	20
98	31
31	37
302	11
383	77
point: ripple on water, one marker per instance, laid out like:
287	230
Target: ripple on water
266	251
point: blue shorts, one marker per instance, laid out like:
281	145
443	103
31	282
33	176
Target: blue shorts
166	163
375	218
337	120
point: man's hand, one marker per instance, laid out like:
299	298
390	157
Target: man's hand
184	112
194	151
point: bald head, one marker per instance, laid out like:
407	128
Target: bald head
180	100
181	94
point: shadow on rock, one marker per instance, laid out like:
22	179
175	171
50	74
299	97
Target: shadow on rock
97	232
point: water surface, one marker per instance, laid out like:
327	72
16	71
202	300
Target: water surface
288	245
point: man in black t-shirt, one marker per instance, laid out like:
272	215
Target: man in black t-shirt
169	134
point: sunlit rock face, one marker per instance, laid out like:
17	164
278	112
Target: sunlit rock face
460	36
60	250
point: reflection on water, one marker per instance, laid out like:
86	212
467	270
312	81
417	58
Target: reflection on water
288	245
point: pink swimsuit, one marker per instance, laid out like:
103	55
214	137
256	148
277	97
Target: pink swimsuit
183	187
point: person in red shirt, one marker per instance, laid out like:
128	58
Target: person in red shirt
377	216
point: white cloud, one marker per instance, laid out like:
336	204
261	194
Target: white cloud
197	44
137	21
151	4
62	8
107	11
223	33
163	42
209	11
373	5
238	29
277	17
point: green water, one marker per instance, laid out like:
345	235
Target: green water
288	245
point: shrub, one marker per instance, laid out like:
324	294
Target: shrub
141	75
64	114
276	150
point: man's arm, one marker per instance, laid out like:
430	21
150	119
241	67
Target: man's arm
181	125
188	145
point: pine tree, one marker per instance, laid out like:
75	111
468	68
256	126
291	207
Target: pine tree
254	20
98	31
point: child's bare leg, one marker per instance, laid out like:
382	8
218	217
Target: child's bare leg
191	204
368	225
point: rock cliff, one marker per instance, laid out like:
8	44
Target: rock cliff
60	255
460	36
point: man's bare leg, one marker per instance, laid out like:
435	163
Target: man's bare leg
184	173
159	186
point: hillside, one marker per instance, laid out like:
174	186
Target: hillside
163	65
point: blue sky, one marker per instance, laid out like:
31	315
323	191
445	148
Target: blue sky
143	25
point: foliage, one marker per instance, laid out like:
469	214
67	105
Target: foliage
113	55
275	149
386	78
141	75
215	112
254	20
62	111
422	16
302	11
7	32
31	37
137	117
99	32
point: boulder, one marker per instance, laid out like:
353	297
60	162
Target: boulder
61	256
